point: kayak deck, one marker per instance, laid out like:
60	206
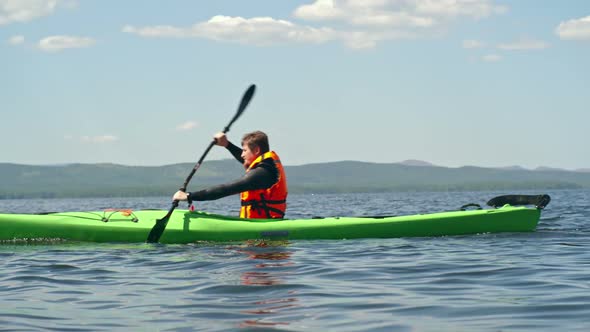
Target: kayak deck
185	226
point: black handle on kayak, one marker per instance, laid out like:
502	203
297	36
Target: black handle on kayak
160	226
540	201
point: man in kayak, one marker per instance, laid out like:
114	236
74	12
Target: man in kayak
263	189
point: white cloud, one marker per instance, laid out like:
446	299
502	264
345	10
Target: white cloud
393	20
523	45
491	58
357	23
187	126
360	40
16	40
364	13
259	31
406	13
473	44
156	31
59	43
576	29
13	11
455	8
255	31
373	21
263	31
100	139
320	10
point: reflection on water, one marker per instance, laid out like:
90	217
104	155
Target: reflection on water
270	260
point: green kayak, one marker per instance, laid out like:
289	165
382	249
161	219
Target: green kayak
190	226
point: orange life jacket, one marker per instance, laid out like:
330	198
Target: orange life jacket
266	203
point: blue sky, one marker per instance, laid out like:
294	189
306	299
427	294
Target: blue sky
453	82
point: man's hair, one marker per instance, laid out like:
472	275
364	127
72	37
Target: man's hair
256	139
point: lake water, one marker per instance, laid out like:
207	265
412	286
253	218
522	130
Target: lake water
536	281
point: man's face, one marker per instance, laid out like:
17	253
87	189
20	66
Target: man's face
249	154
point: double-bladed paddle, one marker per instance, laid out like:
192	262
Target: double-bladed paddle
160	225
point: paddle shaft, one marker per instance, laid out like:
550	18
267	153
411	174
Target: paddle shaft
197	165
160	226
155	233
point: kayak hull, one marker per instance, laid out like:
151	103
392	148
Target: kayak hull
186	226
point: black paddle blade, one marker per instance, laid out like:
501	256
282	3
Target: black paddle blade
243	104
160	226
157	230
540	201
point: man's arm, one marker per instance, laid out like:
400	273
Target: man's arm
235	151
221	140
261	177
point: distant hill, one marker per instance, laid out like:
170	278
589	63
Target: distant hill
513	168
107	180
414	162
548	169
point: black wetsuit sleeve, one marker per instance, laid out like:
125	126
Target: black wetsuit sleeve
235	151
262	176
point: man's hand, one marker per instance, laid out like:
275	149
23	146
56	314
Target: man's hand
180	196
221	139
